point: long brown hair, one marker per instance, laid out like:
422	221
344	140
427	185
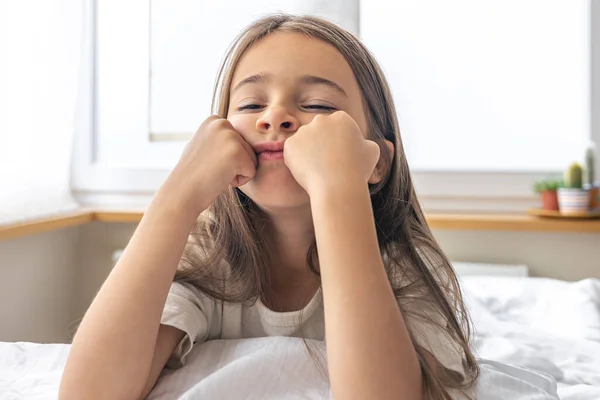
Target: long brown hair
228	260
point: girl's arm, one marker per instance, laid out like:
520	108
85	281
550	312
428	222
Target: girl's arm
369	350
112	353
118	352
168	338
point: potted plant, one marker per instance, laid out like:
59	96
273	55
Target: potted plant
547	190
572	197
589	182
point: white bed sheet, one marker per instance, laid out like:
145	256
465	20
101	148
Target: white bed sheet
262	369
550	326
280	368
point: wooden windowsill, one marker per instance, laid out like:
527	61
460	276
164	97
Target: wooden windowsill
510	222
474	222
118	215
66	220
55	222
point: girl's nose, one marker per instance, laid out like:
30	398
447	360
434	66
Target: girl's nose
277	119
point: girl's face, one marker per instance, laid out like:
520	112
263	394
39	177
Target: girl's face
281	83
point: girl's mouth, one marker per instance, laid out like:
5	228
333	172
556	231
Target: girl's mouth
270	155
268	151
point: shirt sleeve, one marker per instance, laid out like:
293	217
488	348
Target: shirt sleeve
190	311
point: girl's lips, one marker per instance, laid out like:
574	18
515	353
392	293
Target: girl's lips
270	155
269	146
269	150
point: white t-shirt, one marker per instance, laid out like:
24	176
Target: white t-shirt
202	319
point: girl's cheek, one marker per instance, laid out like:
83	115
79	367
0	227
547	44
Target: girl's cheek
244	124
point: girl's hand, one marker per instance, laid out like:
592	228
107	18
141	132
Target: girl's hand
217	156
329	152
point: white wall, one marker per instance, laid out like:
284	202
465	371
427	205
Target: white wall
37	277
568	256
94	259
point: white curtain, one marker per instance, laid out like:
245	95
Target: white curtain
40	60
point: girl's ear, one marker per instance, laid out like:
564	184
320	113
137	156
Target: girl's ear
383	165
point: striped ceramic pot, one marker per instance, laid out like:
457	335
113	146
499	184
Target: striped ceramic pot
573	201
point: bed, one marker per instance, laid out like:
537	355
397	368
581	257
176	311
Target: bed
536	338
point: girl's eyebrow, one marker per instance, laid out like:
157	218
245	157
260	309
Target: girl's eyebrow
317	80
261	77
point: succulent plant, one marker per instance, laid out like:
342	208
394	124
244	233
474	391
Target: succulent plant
547	184
574	176
590	160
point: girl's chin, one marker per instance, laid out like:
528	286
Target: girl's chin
268	193
274	177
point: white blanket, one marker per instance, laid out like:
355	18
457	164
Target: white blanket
281	368
262	369
544	324
550	326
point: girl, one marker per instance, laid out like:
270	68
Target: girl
304	154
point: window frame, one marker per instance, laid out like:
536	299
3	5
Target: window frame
97	183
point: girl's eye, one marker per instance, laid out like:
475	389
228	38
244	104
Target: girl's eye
250	107
309	107
320	107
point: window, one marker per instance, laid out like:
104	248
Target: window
155	82
150	82
486	86
490	95
187	43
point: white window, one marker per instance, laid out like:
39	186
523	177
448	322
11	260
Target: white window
150	82
490	95
486	85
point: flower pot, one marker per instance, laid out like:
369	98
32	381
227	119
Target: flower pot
595	197
549	200
573	201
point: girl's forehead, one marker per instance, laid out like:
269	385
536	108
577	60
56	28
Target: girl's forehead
286	54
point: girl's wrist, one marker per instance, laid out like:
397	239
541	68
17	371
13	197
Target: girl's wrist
338	189
182	198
